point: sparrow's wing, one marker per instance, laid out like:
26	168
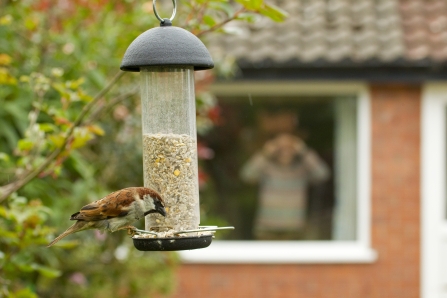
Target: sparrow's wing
116	204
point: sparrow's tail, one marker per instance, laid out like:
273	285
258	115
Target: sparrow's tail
78	226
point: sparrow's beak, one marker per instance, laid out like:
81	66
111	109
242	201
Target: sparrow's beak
160	209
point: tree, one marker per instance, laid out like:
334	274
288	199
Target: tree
65	114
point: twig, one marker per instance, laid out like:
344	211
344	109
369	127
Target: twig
7	190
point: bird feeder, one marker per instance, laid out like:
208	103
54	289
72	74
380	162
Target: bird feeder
166	58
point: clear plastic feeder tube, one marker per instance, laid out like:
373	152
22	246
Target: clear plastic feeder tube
170	145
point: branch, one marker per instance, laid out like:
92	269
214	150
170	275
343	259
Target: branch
7	190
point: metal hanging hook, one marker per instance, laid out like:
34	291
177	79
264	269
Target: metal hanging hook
158	16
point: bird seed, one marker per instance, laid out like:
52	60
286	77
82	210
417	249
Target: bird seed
168	168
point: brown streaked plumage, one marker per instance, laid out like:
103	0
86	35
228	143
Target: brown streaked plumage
116	211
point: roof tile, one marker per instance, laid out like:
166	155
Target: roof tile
335	30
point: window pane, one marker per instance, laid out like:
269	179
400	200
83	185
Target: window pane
283	168
345	166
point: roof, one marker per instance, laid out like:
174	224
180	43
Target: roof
343	33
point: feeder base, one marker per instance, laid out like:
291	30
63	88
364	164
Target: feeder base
173	243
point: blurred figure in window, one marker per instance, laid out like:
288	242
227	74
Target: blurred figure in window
284	168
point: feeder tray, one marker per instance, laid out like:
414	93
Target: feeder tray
177	243
173	243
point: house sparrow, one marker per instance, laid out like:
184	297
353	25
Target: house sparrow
116	211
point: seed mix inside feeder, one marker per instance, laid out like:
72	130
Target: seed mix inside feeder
166	58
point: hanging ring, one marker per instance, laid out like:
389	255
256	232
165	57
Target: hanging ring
158	16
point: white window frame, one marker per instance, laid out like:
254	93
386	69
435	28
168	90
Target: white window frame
274	252
433	189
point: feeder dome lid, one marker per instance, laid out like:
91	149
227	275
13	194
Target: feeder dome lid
166	46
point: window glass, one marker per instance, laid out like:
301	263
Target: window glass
283	168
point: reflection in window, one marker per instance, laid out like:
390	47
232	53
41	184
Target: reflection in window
284	168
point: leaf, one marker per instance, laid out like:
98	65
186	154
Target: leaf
84	97
24	79
57	139
47	271
4	156
75	84
81	141
3	212
25	267
7	235
60	88
47	127
62	121
57	170
30	23
273	12
251	4
5	59
6	78
23	293
81	136
97	130
6	20
25	144
209	20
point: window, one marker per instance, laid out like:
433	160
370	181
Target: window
291	163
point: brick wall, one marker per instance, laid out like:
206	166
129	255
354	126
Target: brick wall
395	225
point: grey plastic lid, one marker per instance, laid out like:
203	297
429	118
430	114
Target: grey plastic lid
166	46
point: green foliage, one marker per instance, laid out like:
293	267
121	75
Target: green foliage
22	236
269	10
79	146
